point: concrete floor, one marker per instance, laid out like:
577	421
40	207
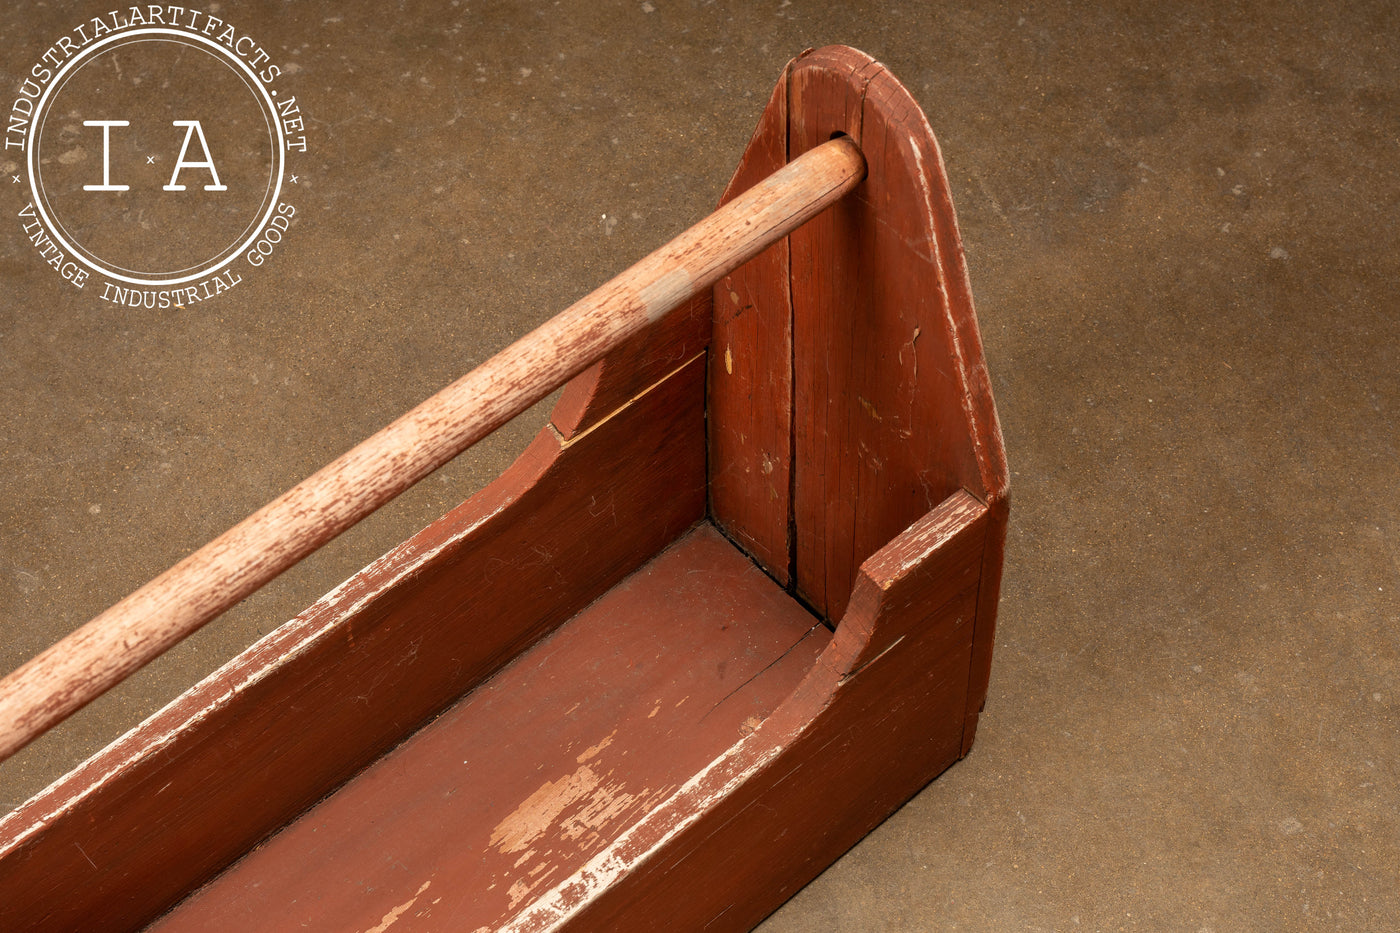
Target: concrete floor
1181	227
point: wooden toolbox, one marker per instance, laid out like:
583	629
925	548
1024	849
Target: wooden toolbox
732	607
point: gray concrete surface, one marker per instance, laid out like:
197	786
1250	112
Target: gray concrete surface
1181	227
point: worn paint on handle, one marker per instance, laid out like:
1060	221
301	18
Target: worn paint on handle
106	650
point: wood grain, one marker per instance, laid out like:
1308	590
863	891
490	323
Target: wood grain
190	790
887	361
523	781
750	381
858	737
860	359
832	333
895	437
129	634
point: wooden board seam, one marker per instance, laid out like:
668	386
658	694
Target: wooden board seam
789	587
789	75
567	442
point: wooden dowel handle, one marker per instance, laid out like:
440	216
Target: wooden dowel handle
210	581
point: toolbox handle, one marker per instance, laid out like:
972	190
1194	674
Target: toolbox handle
134	631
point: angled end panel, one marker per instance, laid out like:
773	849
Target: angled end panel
894	411
863	732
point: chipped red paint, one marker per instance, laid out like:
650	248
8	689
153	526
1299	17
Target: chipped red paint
524	781
197	589
854	453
